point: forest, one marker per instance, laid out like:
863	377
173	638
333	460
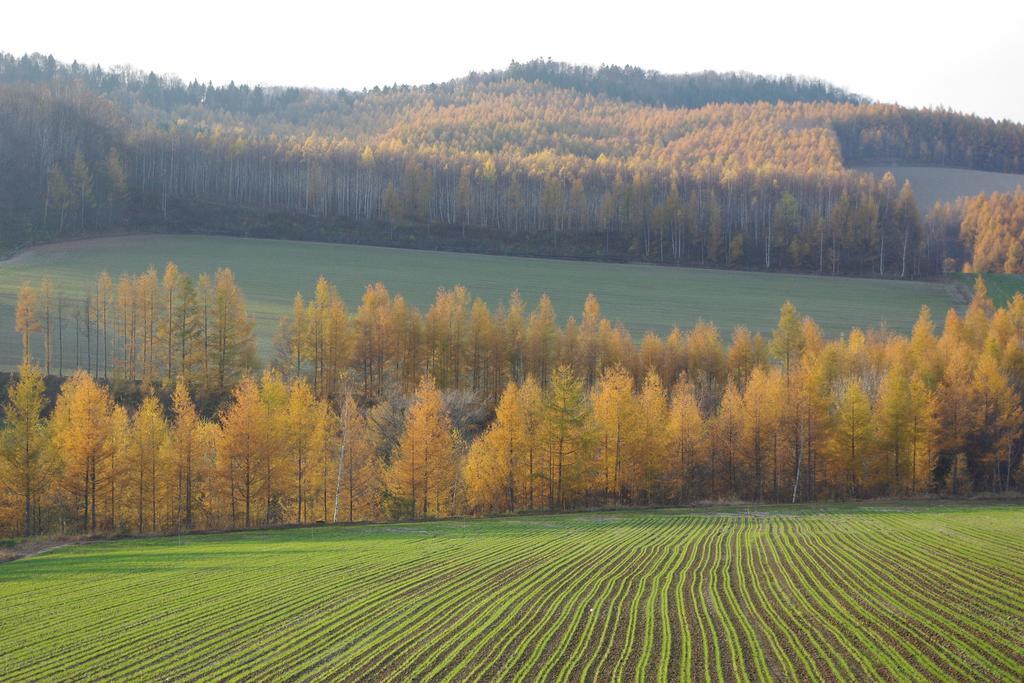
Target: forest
546	159
158	416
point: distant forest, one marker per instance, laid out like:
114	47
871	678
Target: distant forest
543	158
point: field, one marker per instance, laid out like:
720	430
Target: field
1001	286
933	184
640	296
856	592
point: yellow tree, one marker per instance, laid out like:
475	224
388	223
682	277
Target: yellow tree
171	283
652	442
116	467
241	442
761	409
27	466
851	439
185	443
893	415
300	422
922	434
531	407
727	431
273	446
998	414
788	339
686	437
616	418
26	320
957	414
497	471
82	430
423	465
45	302
147	439
358	484
234	349
541	343
374	337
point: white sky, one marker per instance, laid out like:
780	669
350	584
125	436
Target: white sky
968	55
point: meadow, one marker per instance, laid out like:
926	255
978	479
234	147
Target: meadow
642	297
908	591
936	184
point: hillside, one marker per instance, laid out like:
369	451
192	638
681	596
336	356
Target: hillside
542	159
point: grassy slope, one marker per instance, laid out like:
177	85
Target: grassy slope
904	591
642	297
946	184
1001	286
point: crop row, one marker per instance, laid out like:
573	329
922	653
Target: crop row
789	593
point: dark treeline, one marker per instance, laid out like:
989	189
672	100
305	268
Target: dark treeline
497	162
634	84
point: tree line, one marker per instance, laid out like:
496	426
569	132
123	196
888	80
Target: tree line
388	412
992	230
509	162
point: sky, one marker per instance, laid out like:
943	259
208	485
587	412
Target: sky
966	55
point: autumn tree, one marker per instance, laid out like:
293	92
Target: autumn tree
146	446
423	468
852	439
242	440
82	429
184	442
28	464
567	434
26	320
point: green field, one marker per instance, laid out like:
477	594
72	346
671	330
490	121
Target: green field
854	592
1001	286
640	296
934	184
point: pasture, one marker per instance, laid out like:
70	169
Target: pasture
935	184
643	297
1001	286
907	591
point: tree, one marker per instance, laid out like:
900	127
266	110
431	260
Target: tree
184	441
171	282
541	338
686	432
242	439
566	433
498	471
26	320
58	195
82	429
617	421
359	475
234	347
894	413
424	465
762	409
28	465
82	183
645	476
922	434
300	422
117	182
787	340
147	442
999	417
851	445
